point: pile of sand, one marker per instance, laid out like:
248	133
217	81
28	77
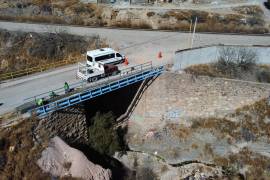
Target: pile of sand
59	159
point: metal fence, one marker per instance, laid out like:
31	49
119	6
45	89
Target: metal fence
75	87
32	70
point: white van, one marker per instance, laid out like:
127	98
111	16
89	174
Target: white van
104	56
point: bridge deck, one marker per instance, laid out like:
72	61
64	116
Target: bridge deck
98	89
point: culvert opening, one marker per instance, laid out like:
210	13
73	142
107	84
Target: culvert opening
117	102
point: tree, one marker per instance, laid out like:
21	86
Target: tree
102	135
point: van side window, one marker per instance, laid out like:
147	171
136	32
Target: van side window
118	55
100	58
89	58
109	56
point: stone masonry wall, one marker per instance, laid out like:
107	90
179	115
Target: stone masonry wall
69	124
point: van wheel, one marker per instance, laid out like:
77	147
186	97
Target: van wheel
93	79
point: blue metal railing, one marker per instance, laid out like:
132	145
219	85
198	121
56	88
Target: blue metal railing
83	83
97	91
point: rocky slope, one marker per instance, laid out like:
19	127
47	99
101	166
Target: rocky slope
208	120
146	167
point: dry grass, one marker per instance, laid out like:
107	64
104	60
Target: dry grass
251	118
204	70
250	124
223	126
28	50
21	153
39	19
134	25
91	14
260	73
213	22
249	10
258	164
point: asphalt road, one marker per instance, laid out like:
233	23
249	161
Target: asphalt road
139	46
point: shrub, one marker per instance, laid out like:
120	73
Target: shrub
233	61
150	14
263	76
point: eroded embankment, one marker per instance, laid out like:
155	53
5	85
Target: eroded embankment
36	52
181	118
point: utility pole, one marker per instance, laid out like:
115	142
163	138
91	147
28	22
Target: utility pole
193	33
190	34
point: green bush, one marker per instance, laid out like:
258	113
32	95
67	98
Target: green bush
103	137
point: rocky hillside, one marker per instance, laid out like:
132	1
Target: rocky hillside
20	50
243	19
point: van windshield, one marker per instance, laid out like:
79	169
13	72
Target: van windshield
118	55
89	58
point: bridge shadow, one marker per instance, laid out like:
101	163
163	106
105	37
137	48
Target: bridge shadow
116	101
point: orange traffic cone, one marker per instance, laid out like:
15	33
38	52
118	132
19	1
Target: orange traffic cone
126	61
159	55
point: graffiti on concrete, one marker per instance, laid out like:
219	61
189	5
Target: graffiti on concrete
173	114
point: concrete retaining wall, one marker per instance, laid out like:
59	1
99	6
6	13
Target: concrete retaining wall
208	54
